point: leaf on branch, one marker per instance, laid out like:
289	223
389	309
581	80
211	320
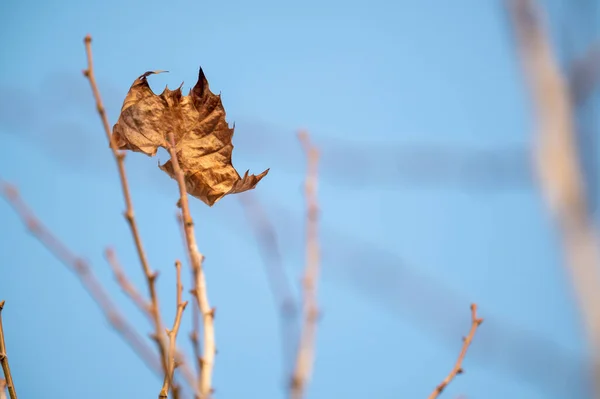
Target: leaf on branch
202	136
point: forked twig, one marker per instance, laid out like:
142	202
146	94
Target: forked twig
119	157
8	381
144	306
306	347
84	272
172	334
457	369
199	290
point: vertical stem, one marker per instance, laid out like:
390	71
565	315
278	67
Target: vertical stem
306	347
559	171
199	290
129	213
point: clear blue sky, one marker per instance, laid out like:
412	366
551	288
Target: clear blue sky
402	261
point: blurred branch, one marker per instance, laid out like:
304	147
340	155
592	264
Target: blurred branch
2	388
457	369
199	290
128	287
85	274
558	168
279	283
267	239
119	157
395	284
306	347
8	381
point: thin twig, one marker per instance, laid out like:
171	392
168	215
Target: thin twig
84	272
457	369
558	167
119	157
172	334
306	347
4	360
128	288
199	290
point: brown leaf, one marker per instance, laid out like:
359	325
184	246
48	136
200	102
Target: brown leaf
202	136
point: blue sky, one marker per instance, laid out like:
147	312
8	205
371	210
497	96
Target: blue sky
404	250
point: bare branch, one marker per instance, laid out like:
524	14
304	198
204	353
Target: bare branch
85	274
457	369
199	290
8	381
558	167
306	348
119	157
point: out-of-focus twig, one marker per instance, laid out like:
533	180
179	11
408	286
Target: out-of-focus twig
8	381
310	312
2	388
457	369
558	168
85	274
267	238
172	334
119	157
128	288
199	291
277	277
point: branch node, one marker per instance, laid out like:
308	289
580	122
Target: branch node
129	216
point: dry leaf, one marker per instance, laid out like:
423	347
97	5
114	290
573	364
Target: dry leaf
202	136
